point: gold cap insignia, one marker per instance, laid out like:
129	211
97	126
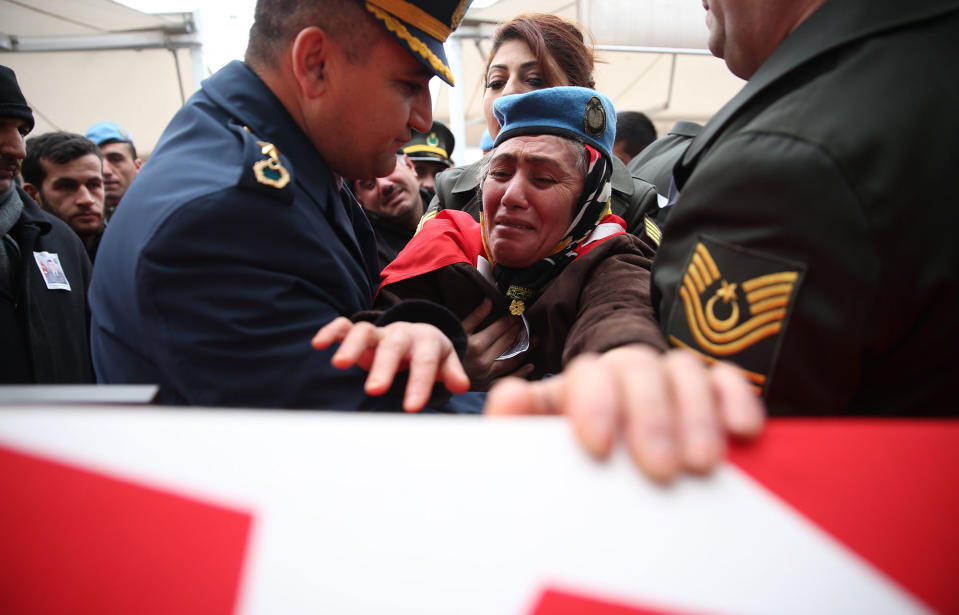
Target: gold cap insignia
734	303
594	121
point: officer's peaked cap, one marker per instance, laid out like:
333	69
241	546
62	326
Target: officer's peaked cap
433	146
422	26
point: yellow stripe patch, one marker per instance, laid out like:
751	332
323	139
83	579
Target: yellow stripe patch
733	303
653	231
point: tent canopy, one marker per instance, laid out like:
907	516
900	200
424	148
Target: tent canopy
84	61
80	62
651	55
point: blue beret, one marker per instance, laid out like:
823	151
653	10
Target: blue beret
486	141
421	27
576	113
108	131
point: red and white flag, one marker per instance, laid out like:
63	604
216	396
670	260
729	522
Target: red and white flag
196	511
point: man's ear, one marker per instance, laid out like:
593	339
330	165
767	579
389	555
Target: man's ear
311	55
33	192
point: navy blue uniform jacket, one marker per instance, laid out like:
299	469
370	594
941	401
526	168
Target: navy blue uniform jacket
211	283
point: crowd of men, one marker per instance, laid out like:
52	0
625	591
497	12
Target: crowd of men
210	287
54	189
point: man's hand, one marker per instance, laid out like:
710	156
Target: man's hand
483	347
673	410
399	346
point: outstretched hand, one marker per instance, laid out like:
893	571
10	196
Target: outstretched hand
420	348
673	410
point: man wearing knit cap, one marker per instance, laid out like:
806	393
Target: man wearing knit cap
120	162
238	240
44	270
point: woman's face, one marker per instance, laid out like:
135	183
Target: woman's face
513	70
528	198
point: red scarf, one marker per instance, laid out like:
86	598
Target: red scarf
453	236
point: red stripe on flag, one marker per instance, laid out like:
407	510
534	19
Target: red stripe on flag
888	489
75	541
557	602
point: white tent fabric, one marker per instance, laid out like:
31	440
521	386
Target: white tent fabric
84	61
652	59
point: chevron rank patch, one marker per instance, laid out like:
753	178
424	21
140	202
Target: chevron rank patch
734	304
653	233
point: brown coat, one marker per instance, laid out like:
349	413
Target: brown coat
599	302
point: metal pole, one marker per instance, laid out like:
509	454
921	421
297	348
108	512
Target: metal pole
179	77
454	54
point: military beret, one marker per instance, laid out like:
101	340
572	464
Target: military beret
12	102
422	26
108	132
486	141
573	112
434	146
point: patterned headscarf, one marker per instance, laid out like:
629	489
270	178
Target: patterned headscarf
574	113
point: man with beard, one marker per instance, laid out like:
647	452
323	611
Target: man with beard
44	270
394	205
63	172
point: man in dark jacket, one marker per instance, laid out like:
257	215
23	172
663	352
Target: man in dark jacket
394	205
655	163
63	172
44	270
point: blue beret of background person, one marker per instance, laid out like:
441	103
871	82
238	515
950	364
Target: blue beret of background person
120	161
547	263
486	141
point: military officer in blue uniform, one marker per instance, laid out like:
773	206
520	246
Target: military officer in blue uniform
239	240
